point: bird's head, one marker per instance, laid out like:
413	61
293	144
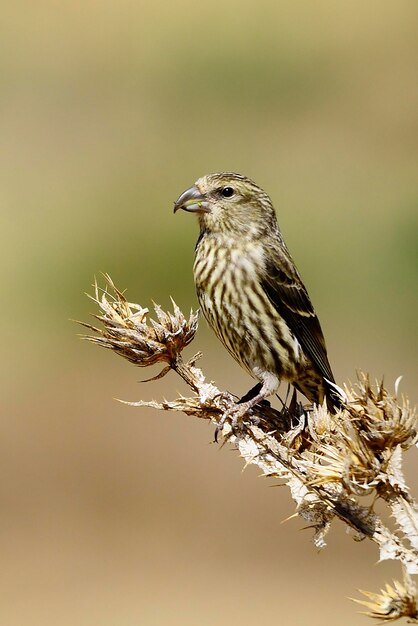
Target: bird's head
229	203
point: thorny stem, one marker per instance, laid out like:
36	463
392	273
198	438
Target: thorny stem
357	517
328	460
184	371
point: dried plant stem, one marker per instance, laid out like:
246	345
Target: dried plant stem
328	461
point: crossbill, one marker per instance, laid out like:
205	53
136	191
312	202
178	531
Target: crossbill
250	291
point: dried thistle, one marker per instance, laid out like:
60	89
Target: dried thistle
393	602
384	421
139	339
329	461
346	459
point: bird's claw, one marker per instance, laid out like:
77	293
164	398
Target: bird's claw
219	427
235	415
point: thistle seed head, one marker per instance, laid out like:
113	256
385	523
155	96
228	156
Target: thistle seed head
393	602
128	331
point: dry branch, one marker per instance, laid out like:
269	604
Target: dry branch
328	461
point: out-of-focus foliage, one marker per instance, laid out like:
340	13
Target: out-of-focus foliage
108	111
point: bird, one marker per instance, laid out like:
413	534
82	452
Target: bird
251	293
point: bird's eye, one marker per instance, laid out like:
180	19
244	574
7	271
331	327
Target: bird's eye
227	192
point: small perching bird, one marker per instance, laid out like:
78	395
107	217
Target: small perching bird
250	291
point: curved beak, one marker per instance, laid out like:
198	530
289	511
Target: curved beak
193	201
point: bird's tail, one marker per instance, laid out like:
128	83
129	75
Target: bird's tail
329	390
335	395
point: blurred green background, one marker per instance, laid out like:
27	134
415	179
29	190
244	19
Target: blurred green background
114	515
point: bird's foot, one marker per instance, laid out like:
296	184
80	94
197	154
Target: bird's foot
235	415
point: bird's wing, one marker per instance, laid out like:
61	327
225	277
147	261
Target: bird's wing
289	297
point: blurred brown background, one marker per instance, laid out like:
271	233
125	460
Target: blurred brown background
113	515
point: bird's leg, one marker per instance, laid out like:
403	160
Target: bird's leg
257	394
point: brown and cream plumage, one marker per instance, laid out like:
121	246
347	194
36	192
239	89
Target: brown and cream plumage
250	291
